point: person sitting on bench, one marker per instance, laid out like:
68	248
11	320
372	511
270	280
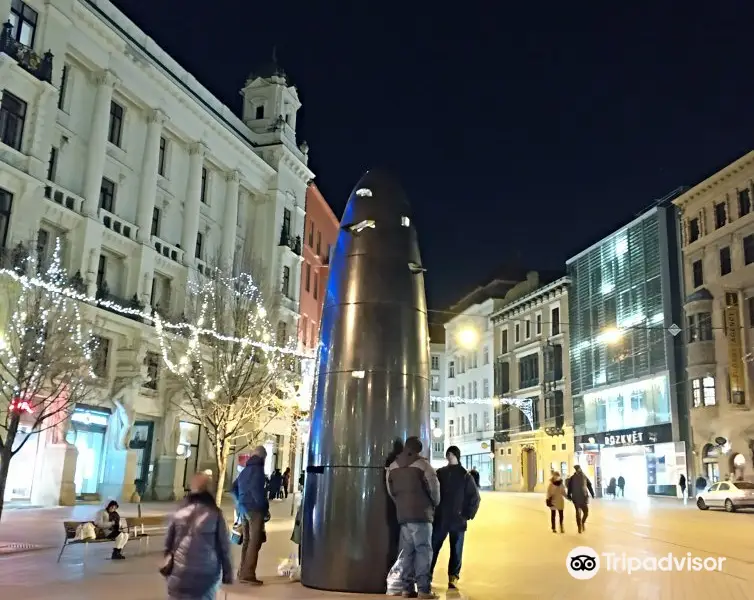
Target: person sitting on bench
108	526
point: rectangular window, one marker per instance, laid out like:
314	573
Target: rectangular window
43	247
486	355
435	383
435	363
725	266
518	332
703	391
749	302
315	291
308	277
451	369
699	328
100	354
52	166
12	118
107	195
286	223
694	230
286	281
205	178
319	243
539	325
115	131
199	245
161	158
152	363
311	235
720	215
451	428
744	202
485	388
528	371
23	20
504	341
555	321
748	243
63	87
6	203
697	274
501	381
102	272
155	231
527	328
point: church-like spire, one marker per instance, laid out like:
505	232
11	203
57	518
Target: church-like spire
271	69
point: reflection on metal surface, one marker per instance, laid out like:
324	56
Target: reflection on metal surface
359	227
372	387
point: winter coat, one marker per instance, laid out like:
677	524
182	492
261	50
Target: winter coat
459	498
248	488
579	489
475	475
198	541
556	494
107	524
412	484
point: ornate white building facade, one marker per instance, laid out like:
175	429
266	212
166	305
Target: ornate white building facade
108	145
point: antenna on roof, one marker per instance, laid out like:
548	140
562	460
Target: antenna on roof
275	54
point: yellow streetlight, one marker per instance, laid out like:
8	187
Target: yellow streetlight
468	338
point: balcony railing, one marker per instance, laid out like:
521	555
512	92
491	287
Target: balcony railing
118	225
167	250
294	243
39	66
60	196
103	294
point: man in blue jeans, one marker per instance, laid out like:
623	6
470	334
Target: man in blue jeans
412	484
460	502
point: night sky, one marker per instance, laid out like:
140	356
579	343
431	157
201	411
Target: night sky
522	134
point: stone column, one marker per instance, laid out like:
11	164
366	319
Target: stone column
192	202
230	221
148	186
95	162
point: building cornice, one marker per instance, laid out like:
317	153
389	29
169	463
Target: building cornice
534	298
239	136
715	180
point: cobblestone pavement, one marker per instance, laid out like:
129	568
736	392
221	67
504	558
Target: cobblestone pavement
510	554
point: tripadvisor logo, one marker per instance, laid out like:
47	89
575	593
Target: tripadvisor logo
584	562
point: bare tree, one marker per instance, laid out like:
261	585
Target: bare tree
235	384
45	354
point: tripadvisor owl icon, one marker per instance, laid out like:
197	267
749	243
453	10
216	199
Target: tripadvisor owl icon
583	562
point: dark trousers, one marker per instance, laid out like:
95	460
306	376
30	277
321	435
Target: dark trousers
439	533
253	538
582	512
552	517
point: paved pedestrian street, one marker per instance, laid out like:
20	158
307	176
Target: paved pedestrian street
510	554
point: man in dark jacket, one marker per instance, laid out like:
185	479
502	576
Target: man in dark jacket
579	489
459	503
252	506
412	484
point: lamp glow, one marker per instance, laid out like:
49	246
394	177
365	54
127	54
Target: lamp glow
437	432
611	336
468	338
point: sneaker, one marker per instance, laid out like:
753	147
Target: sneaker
561	529
554	530
253	581
452	582
427	596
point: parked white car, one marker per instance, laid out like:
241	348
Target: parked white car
729	495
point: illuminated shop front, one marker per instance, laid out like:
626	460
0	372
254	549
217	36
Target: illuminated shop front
21	471
87	433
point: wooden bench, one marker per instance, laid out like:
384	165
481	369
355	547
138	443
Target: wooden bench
138	528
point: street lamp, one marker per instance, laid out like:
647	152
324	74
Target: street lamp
437	432
611	336
468	338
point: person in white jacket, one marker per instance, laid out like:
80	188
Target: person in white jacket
107	524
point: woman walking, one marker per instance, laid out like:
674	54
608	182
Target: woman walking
555	499
197	552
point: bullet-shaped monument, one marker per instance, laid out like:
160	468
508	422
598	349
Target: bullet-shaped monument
372	387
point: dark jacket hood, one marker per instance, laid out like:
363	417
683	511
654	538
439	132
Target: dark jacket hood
255	461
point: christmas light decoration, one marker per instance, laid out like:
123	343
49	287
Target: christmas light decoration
233	385
525	405
45	355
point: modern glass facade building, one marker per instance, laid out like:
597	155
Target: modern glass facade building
626	352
